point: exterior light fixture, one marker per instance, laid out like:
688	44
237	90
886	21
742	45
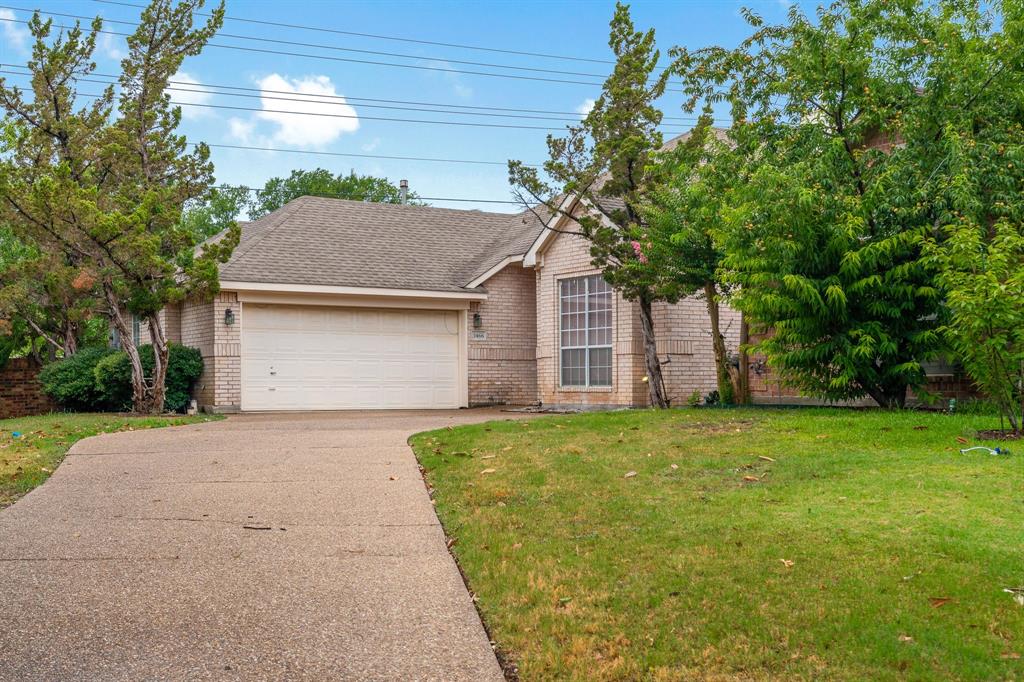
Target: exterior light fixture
229	317
478	322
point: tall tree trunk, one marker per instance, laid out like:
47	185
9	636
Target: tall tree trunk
158	388
655	382
724	378
139	392
743	388
888	396
70	339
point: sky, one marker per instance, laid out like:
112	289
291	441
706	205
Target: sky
328	71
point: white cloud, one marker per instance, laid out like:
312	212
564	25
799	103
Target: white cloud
112	47
585	107
15	35
187	89
371	145
308	95
242	130
450	76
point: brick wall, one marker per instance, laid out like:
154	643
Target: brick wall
503	365
569	256
202	327
682	334
20	392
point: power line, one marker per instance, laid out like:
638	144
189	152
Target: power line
338	196
213	87
338	48
384	37
472	124
350	60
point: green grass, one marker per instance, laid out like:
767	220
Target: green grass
714	563
27	461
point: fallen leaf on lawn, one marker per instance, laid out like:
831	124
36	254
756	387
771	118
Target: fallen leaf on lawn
392	478
630	474
564	600
488	457
787	563
517	545
765	458
488	471
936	602
920	427
905	638
961	440
506	448
451	542
1010	656
822	435
1017	592
751	479
674	466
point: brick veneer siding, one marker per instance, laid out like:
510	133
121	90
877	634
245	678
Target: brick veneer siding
569	256
503	366
20	392
682	333
202	326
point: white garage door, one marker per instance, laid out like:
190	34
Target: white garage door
312	358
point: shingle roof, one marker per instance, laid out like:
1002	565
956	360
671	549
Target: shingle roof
335	242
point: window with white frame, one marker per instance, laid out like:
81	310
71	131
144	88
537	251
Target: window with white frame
585	328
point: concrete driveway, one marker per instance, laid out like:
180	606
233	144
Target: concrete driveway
261	547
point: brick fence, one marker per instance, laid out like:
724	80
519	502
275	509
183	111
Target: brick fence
20	393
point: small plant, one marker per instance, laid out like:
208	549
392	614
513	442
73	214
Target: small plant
694	399
713	398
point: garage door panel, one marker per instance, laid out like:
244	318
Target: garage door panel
307	358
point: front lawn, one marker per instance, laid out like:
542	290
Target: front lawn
28	460
739	544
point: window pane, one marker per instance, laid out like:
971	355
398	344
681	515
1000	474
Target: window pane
600	366
574	367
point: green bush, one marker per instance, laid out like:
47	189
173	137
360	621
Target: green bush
113	376
100	379
71	382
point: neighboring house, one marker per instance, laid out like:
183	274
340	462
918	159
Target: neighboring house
332	304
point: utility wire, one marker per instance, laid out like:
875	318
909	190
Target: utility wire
350	60
383	37
212	88
338	48
338	196
471	124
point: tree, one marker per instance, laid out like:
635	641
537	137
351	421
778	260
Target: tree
843	119
683	218
216	214
601	174
979	185
106	191
322	183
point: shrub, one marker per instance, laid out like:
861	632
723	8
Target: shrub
100	379
113	376
71	382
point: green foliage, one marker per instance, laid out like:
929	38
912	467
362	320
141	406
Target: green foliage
99	379
217	213
71	382
113	377
100	187
322	183
843	123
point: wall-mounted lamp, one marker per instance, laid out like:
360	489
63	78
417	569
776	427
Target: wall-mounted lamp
229	317
478	322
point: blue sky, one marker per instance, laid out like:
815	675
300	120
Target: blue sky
577	29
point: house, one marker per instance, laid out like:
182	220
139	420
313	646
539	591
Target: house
331	304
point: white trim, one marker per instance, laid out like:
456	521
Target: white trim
498	267
349	291
463	358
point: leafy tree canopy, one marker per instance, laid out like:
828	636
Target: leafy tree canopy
322	183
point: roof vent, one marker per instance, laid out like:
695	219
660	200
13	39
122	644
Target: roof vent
403	191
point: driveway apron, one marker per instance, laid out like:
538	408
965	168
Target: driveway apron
261	547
